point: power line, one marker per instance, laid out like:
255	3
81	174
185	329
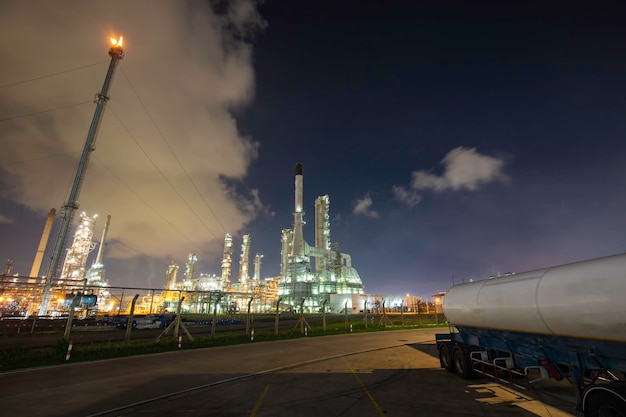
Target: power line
52	75
148	204
162	175
119	242
172	152
44	111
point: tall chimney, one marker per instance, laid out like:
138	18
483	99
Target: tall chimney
98	260
297	248
34	272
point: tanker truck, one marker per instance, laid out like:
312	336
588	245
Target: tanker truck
563	322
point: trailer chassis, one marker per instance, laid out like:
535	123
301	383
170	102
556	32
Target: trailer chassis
521	359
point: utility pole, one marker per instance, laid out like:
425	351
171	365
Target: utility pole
116	53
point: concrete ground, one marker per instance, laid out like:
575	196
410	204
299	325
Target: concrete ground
368	374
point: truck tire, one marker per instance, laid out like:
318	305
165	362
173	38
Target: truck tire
445	359
605	404
463	364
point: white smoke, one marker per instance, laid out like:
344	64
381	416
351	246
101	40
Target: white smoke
160	174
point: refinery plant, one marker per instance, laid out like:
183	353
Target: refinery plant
329	283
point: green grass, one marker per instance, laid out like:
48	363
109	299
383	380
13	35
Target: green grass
24	357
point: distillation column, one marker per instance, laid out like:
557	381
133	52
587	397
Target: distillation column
191	266
257	266
286	237
227	260
243	261
95	275
74	268
172	271
322	231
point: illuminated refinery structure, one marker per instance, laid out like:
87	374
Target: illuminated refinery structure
95	274
301	284
330	283
73	273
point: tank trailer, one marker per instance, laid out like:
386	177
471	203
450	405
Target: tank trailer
563	322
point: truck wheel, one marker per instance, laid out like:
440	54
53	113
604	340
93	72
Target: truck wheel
605	404
462	364
445	358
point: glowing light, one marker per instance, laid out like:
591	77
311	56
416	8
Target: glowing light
117	42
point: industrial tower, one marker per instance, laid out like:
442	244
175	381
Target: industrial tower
95	274
333	274
34	272
227	260
73	274
116	52
243	261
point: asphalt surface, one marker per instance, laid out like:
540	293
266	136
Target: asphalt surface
393	373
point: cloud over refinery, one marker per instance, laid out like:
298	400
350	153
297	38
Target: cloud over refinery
169	158
464	169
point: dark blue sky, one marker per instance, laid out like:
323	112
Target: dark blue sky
364	93
502	125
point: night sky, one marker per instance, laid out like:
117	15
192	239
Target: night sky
456	140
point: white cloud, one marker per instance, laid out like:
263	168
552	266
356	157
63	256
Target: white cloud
363	206
410	198
464	169
189	66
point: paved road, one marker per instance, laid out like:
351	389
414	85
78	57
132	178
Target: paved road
367	374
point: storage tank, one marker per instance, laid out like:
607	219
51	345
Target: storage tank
583	299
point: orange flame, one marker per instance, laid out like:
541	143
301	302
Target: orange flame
117	42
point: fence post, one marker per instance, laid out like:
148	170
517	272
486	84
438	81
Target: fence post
70	317
214	321
277	316
248	318
365	312
131	317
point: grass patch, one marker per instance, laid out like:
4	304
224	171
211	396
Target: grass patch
25	357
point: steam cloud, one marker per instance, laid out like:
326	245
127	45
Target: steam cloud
171	177
464	168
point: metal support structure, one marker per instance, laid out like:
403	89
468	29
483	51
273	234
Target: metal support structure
119	308
384	320
176	323
402	313
116	53
178	309
345	309
419	313
365	312
214	321
151	301
131	317
304	325
277	315
70	317
248	317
